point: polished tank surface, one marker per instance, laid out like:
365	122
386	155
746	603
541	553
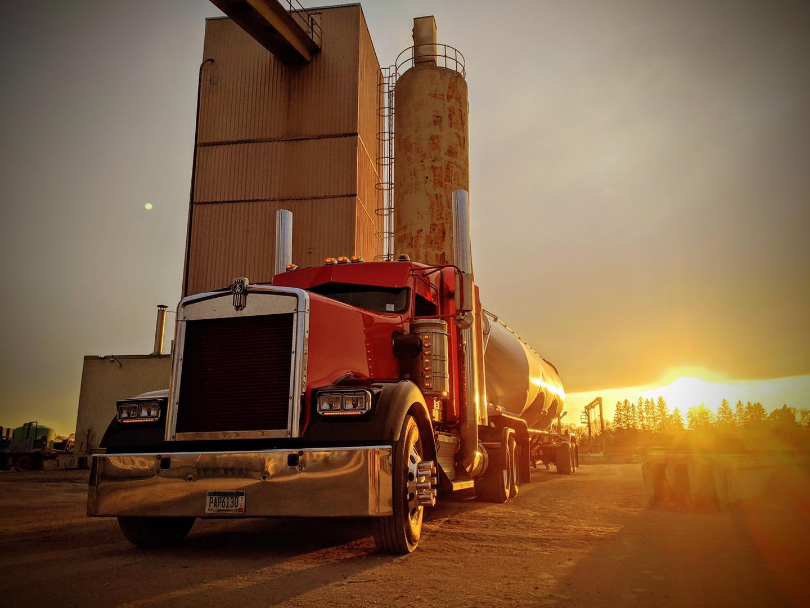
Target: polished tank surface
518	379
431	148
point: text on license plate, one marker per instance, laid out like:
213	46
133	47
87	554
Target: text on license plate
225	502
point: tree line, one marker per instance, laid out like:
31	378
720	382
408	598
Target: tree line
653	416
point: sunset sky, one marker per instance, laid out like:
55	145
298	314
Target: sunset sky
640	184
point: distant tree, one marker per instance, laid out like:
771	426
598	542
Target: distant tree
804	419
676	420
784	418
649	414
691	418
618	416
739	414
699	417
755	414
725	415
642	420
630	415
662	415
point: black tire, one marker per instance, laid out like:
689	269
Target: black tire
494	485
155	531
514	460
24	463
400	532
564	459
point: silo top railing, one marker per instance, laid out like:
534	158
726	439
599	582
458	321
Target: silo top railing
444	56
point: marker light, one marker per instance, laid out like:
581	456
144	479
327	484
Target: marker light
356	258
329	261
342	259
291	267
403	257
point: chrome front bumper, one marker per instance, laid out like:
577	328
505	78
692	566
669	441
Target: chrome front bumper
330	482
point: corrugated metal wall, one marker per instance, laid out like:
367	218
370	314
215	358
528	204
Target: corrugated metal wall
240	237
273	137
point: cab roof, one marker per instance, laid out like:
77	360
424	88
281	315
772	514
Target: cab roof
379	274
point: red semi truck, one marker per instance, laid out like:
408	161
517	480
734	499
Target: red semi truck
362	389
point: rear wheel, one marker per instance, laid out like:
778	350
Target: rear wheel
24	463
495	484
400	532
564	459
514	458
155	531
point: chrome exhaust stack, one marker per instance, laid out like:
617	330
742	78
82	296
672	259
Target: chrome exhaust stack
284	220
160	329
471	458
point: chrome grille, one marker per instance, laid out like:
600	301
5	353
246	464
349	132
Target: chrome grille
236	374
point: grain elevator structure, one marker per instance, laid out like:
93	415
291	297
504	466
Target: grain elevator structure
283	125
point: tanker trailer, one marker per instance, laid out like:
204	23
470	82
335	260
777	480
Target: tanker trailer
521	384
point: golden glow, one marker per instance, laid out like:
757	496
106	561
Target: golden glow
687	387
551	388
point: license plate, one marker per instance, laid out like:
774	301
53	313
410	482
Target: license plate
225	502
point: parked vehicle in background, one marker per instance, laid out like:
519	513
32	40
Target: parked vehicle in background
26	447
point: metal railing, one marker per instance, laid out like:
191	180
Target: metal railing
441	55
306	20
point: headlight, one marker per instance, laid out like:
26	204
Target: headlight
138	411
348	403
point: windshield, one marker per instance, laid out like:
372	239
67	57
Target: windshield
375	299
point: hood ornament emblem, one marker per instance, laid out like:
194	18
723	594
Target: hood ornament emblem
239	291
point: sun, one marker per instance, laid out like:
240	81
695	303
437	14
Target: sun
687	387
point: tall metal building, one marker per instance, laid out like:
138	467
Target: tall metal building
283	130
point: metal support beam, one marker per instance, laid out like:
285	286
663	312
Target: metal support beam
283	27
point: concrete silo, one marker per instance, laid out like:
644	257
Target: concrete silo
431	146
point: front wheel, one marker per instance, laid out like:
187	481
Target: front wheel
155	531
400	532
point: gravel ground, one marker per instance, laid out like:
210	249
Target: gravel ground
587	540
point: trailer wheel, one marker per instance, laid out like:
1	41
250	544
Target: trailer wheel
494	485
514	459
24	463
564	459
155	531
400	532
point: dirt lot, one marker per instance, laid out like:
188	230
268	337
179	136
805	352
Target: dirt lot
586	540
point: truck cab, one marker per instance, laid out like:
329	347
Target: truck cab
317	395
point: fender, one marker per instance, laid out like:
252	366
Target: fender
401	399
394	400
136	437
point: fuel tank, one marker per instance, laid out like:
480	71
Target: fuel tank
518	379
